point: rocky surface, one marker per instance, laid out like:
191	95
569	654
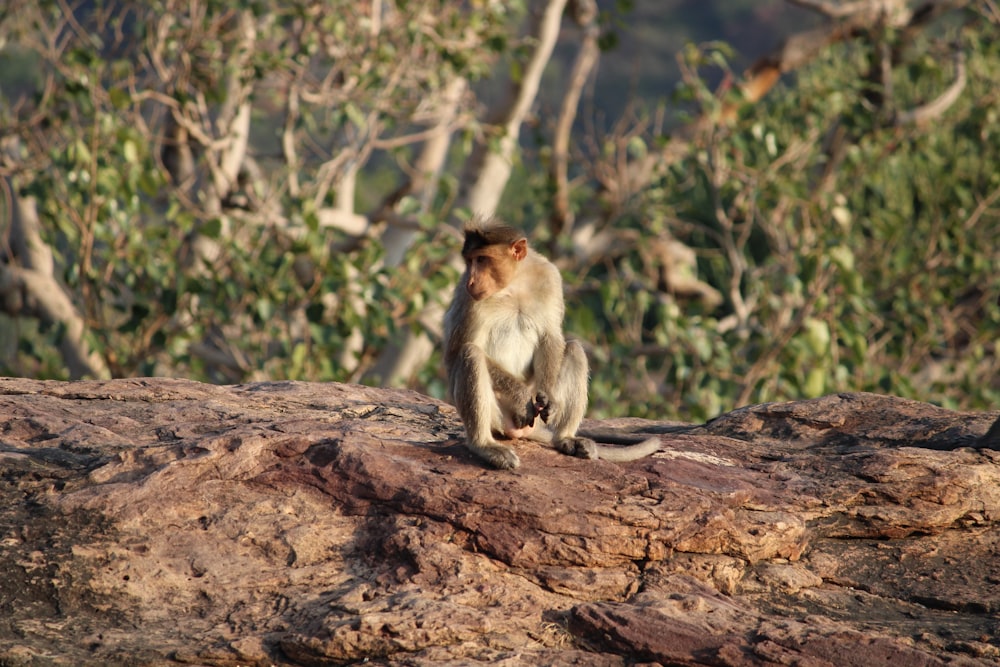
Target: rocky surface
165	522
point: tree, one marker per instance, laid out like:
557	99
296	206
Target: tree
272	192
802	206
159	149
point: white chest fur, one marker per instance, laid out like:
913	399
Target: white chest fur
509	336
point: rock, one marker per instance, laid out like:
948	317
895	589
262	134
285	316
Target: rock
166	522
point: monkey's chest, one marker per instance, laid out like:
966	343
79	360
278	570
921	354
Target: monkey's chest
511	343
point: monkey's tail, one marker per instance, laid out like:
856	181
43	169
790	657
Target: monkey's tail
631	446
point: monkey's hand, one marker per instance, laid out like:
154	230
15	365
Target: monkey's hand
527	417
543	406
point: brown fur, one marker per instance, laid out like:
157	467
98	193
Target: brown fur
481	233
507	360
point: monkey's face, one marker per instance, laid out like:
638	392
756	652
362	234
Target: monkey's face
492	268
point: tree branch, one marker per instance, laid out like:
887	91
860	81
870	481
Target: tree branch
935	108
30	288
488	168
485	176
833	10
585	12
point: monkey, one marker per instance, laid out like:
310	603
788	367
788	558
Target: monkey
507	361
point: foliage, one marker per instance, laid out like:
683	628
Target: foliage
178	273
851	252
865	266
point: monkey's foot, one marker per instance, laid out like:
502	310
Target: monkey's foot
583	448
497	455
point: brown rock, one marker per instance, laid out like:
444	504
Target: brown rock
163	522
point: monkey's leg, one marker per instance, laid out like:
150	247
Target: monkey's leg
479	409
570	399
517	403
570	405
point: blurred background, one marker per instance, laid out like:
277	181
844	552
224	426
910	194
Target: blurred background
749	201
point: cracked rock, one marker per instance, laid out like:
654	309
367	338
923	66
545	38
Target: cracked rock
157	521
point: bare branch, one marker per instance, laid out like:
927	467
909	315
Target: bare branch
30	288
390	143
586	59
443	120
833	10
234	116
376	18
488	168
486	173
26	244
288	141
39	295
932	110
987	202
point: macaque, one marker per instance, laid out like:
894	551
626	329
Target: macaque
507	360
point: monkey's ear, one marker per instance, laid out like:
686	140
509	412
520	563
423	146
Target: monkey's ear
519	249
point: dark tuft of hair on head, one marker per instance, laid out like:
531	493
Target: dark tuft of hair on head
482	232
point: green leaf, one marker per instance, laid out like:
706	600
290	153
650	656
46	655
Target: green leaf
265	309
818	337
130	151
120	98
212	228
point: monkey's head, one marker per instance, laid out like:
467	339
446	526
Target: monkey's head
492	251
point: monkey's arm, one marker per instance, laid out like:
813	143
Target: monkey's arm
546	365
547	361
